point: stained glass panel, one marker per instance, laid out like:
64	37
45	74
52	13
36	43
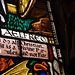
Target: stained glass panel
28	39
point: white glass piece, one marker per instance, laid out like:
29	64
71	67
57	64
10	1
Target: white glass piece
2	18
3	5
59	53
54	51
55	73
22	35
49	6
63	73
56	66
60	60
50	68
55	35
51	16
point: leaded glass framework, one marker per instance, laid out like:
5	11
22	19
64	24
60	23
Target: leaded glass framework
28	39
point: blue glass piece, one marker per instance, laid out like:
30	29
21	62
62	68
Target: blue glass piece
42	73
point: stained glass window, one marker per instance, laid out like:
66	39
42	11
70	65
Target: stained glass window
28	39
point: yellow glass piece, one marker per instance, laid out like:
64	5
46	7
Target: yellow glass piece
12	8
23	5
52	42
30	74
19	69
51	38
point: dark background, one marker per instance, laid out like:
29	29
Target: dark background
64	17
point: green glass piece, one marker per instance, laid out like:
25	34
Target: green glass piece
32	62
14	22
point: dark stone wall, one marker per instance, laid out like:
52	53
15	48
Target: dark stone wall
64	17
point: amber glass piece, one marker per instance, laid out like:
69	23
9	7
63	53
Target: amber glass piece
10	62
44	63
23	5
5	63
12	8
